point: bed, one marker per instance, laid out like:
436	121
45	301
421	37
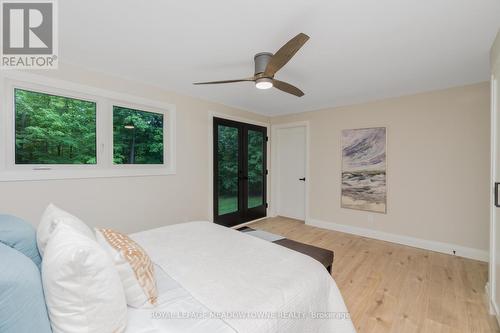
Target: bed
214	279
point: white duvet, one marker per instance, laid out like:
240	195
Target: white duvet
234	282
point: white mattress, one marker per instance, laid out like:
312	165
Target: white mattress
205	268
172	298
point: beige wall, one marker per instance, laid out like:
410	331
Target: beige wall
495	55
438	164
132	203
438	153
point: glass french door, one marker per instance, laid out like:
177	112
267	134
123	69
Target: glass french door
240	174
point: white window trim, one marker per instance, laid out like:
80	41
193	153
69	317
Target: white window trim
104	100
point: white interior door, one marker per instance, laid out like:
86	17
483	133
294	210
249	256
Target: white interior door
292	172
495	212
494	273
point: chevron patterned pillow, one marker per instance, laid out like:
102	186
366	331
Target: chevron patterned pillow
134	266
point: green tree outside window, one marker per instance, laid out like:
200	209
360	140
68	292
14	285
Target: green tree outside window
137	136
53	129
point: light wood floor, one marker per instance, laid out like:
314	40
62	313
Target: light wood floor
395	288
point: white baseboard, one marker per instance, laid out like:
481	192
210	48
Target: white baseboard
494	309
489	301
492	305
249	222
447	248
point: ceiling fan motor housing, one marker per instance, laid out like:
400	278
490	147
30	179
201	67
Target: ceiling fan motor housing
261	61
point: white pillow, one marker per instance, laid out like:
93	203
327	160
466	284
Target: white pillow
134	266
51	218
82	288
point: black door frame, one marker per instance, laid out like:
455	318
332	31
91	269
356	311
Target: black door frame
243	214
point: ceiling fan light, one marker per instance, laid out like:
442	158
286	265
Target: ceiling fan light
264	83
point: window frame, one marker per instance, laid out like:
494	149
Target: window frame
104	99
138	107
11	132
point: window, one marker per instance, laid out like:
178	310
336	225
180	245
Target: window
58	130
137	136
53	129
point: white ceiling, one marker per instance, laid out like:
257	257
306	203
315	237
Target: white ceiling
360	50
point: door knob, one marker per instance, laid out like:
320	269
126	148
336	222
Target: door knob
302	179
496	195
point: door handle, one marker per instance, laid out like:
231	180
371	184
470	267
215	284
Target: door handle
496	195
302	179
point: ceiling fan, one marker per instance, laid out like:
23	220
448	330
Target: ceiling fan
267	64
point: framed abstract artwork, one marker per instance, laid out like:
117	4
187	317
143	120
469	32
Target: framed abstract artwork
364	176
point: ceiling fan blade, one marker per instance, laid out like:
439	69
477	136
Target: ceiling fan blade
288	88
283	55
226	81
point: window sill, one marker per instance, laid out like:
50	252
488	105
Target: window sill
34	175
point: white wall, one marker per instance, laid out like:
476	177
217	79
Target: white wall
132	203
438	168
